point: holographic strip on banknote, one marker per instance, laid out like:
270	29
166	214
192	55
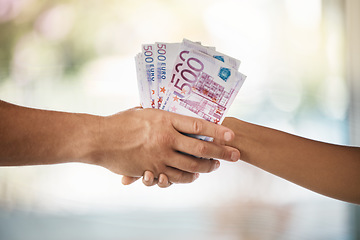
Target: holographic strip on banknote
188	78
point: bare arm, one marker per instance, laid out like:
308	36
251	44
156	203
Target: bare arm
328	169
126	143
32	136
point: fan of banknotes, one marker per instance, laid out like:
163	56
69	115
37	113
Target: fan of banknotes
188	78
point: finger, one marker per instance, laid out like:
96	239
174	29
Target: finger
163	181
198	126
126	180
192	164
149	179
218	141
205	149
178	176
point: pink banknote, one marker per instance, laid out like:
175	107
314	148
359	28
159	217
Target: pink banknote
166	54
201	86
188	78
148	59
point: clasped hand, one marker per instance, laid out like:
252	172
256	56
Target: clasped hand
149	140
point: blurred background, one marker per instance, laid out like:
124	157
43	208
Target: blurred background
78	56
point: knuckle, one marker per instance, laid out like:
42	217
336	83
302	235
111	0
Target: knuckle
198	126
164	139
177	178
223	154
202	149
163	152
217	132
194	166
164	120
165	155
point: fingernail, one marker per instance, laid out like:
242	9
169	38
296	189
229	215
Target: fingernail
197	175
234	156
217	165
161	179
227	136
146	178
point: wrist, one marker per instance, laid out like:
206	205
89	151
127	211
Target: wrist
88	139
248	137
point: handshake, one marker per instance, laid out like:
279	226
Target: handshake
192	80
195	85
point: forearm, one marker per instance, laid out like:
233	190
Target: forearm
32	136
127	143
328	169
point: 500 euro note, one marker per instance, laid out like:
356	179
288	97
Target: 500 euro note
145	99
189	45
149	64
201	86
166	54
188	78
169	54
156	62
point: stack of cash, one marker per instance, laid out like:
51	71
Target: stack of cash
188	78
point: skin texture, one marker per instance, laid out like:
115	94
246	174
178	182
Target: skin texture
328	169
127	143
331	170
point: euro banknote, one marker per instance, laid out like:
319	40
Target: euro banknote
188	78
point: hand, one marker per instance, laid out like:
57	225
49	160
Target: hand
149	179
149	139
